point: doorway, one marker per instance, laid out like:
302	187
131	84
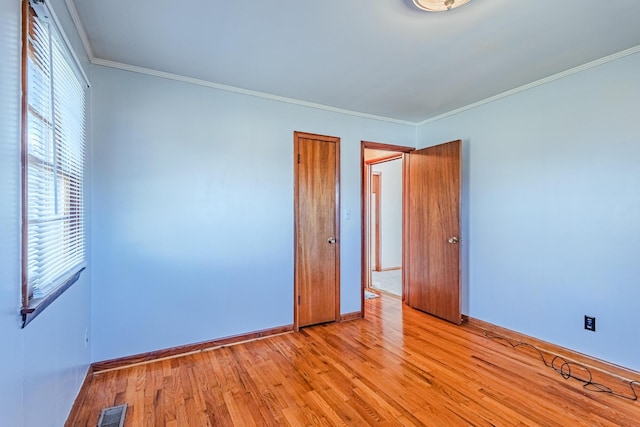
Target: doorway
385	216
317	229
380	163
431	195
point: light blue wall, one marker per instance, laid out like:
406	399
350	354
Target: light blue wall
11	354
193	219
43	365
193	210
553	201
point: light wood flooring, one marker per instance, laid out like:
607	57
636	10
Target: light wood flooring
397	367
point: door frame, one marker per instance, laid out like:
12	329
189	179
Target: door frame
333	139
365	203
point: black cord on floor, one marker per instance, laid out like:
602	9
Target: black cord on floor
567	368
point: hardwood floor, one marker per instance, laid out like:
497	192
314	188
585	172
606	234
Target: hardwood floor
397	367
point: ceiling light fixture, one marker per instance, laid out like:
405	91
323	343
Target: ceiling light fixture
439	5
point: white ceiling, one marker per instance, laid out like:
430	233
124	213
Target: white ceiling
379	57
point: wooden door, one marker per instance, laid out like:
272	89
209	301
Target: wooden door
316	229
432	230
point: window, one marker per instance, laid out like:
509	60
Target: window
53	147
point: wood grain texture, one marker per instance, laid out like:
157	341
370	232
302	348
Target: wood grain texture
184	349
351	316
27	27
371	145
396	367
384	158
432	264
317	221
602	371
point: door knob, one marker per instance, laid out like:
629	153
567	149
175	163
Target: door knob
331	240
453	239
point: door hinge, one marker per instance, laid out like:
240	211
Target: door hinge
298	158
298	299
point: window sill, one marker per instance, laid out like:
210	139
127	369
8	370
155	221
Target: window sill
37	306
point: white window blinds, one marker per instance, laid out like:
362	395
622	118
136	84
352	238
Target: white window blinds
53	160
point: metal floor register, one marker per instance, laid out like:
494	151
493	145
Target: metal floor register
113	416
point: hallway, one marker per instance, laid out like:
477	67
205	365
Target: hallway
389	281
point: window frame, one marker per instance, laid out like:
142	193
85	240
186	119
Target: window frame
67	169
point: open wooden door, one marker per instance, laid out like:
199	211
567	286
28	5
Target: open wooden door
432	230
317	253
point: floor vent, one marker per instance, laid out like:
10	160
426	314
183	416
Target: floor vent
113	417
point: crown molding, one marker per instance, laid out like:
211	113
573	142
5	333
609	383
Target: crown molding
151	72
82	33
569	72
227	88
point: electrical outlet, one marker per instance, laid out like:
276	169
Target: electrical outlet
590	323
